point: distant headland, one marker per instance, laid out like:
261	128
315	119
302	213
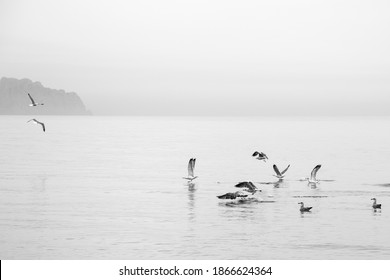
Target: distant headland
14	99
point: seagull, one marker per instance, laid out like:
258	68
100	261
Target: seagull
279	174
375	205
231	195
33	104
37	122
260	156
248	187
303	208
313	174
191	166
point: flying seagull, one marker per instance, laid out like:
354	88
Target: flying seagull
232	195
33	102
303	208
375	205
191	167
248	187
260	156
37	122
279	174
313	174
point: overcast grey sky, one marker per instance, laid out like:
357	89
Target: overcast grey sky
204	57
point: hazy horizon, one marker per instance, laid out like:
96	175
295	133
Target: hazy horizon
204	57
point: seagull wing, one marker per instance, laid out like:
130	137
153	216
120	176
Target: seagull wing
32	100
264	155
277	170
231	195
193	165
242	185
227	196
314	172
255	154
284	171
42	124
190	168
252	186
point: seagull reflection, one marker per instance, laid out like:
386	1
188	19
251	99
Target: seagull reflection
191	201
191	186
276	184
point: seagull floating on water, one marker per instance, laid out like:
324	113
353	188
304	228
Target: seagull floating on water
303	208
260	156
375	205
232	195
248	187
37	122
279	174
33	103
191	167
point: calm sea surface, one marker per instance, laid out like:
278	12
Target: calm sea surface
112	188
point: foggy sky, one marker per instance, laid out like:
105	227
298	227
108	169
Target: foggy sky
204	57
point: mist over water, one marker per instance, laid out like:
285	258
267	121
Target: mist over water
111	188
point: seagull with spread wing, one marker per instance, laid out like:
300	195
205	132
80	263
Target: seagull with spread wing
280	175
313	174
37	122
33	103
248	187
191	167
260	156
232	195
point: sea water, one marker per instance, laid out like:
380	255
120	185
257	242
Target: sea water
105	187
